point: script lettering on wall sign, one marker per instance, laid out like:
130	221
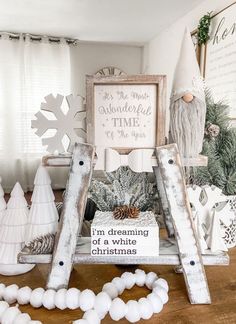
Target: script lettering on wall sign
220	71
125	115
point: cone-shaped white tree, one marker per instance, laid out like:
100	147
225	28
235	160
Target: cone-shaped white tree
200	233
12	233
43	215
3	204
214	240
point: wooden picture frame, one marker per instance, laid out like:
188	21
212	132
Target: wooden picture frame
103	90
219	63
200	51
194	36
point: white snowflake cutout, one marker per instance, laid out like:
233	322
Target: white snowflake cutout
71	124
203	199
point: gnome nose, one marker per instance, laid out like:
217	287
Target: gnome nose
187	97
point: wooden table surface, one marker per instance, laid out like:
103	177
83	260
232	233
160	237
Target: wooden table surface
222	284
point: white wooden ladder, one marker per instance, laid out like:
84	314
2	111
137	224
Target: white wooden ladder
177	212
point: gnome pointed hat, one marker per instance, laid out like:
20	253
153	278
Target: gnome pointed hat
187	78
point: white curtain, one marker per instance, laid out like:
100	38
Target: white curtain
29	70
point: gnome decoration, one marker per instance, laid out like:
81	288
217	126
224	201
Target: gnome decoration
12	233
187	106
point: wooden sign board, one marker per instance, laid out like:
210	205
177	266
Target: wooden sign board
128	237
220	63
125	112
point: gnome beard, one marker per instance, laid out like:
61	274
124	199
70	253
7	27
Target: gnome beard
187	122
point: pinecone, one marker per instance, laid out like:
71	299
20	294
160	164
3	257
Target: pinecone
132	212
120	212
212	130
41	245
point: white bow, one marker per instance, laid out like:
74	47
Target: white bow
139	160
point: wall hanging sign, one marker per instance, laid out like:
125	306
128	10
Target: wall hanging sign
220	62
126	112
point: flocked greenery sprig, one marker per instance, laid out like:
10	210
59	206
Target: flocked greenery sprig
124	187
220	147
203	28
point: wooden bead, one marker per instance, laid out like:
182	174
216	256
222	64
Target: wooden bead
162	293
49	299
60	299
102	302
86	299
187	97
2	288
110	289
140	277
145	308
150	278
133	314
23	295
3	306
22	319
92	317
81	321
10	293
156	302
118	309
72	298
36	298
119	283
161	282
129	279
9	315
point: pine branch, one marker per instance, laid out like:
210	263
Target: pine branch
221	150
125	187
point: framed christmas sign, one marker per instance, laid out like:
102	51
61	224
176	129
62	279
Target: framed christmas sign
126	112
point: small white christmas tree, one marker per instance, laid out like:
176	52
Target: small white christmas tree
214	240
12	233
2	202
43	215
200	233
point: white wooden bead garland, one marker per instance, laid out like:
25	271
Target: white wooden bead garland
133	310
95	307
